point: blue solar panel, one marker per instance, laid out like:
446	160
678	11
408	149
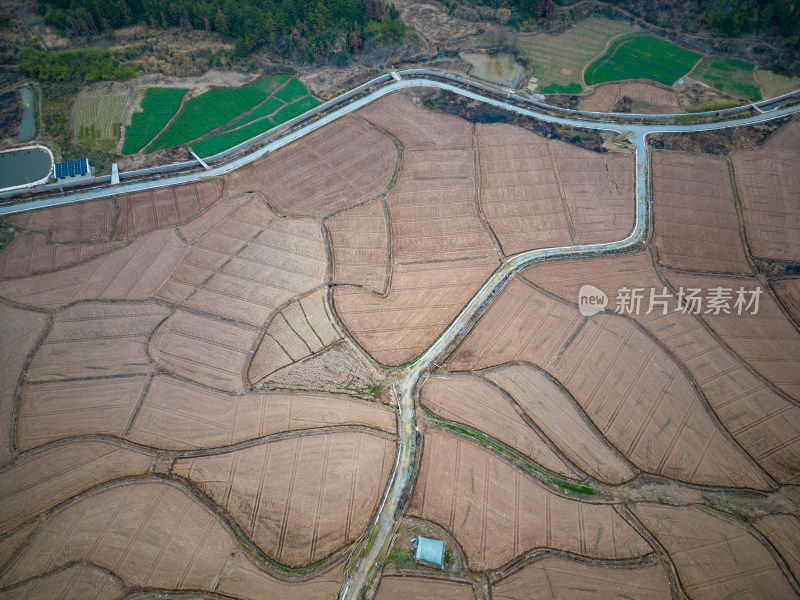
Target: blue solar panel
72	168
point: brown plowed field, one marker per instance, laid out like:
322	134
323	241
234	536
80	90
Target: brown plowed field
783	532
196	227
764	423
563	422
402	588
563	578
537	193
12	542
52	411
522	324
327	171
133	272
204	350
436	218
767	340
497	513
19	332
41	480
694	213
177	415
76	582
423	299
360	241
714	558
643	404
30	252
788	292
415	127
300	329
647	98
97	339
81	222
769	187
248	265
302	498
602	99
470	400
151	534
144	211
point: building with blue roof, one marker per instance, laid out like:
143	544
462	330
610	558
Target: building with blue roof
430	551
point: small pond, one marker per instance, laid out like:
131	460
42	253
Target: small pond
500	68
18	167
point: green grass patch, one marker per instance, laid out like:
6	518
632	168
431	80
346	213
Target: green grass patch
773	85
269	106
733	77
294	90
158	107
642	57
558	60
555	88
565	484
270	84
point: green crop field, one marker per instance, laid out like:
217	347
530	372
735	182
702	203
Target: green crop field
733	77
95	119
158	107
245	129
224	109
558	60
642	57
294	90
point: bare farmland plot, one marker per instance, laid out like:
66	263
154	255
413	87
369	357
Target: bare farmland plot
415	127
97	339
646	97
562	421
177	415
715	558
208	351
496	513
769	187
133	272
61	409
330	170
302	498
696	226
300	329
423	299
19	332
400	588
767	340
80	222
360	241
40	480
764	423
470	400
788	292
537	193
82	580
602	99
248	265
561	577
30	253
783	532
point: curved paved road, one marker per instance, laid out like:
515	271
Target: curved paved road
362	579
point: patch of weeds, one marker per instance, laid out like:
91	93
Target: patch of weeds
403	558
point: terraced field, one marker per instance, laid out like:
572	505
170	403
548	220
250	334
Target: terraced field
203	388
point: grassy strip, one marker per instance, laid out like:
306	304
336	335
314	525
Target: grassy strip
642	57
733	77
158	107
555	88
514	456
712	105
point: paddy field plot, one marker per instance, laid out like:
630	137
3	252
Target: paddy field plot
642	57
558	60
734	77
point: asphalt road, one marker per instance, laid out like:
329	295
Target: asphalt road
363	578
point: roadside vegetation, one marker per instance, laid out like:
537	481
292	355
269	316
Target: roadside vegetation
734	77
642	57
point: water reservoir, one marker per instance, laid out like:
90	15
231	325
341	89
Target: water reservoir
24	166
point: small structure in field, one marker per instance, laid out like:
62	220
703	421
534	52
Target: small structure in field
430	552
